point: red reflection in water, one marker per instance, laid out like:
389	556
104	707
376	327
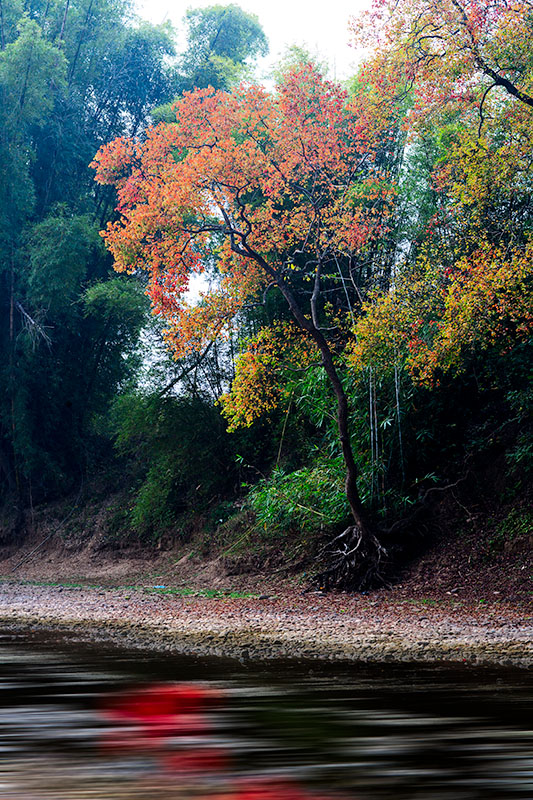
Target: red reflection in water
269	790
161	712
153	719
161	720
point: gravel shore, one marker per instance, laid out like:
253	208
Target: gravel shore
287	626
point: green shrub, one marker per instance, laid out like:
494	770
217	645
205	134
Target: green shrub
517	524
178	456
310	499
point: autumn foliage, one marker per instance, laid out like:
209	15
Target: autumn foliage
466	67
261	382
437	322
452	52
272	185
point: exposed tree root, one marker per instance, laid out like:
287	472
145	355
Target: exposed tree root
355	561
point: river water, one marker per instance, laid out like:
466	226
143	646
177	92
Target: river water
80	721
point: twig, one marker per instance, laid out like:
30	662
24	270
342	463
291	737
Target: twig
47	538
402	523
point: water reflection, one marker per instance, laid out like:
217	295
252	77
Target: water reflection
77	722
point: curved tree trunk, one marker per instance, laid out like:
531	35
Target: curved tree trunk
355	557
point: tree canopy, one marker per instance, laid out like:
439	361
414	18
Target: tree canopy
73	75
222	42
393	220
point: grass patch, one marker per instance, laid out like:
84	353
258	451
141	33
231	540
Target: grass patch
212	594
173	591
516	525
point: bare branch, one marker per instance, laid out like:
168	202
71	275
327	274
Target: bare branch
34	328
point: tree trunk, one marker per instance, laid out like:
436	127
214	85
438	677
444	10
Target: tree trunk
354	558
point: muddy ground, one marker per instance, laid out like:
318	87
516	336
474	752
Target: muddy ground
380	627
461	599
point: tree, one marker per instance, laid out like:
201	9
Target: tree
72	75
287	189
454	51
440	321
222	44
29	65
221	41
466	67
456	324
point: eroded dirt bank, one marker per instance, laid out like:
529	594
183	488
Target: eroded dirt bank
290	625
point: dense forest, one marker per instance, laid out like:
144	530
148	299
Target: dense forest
296	313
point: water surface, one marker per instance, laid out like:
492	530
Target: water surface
79	721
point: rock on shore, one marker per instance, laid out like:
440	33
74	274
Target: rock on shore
295	626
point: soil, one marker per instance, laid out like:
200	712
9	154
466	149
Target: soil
466	562
286	625
465	596
175	601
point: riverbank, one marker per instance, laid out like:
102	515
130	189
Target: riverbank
381	627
